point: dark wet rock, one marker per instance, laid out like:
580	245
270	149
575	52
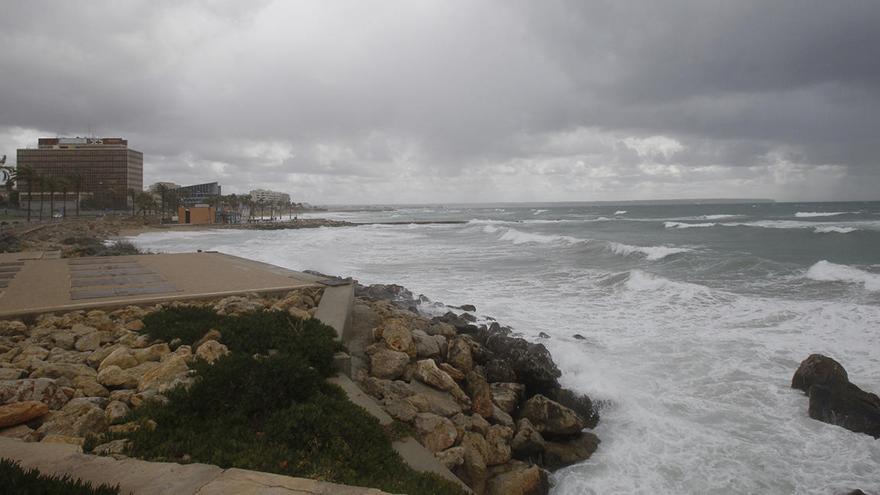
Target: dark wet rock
468	307
551	417
818	370
578	336
460	324
468	317
499	370
560	454
532	363
579	403
393	292
543	335
834	399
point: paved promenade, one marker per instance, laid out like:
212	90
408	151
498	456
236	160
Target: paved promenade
34	283
154	478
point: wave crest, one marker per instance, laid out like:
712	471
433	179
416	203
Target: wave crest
825	271
811	214
652	253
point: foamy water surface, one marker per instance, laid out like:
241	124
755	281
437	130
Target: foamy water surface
692	334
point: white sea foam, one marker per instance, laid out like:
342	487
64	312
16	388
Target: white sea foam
698	378
810	214
520	237
683	225
834	229
651	253
825	271
718	217
620	212
538	212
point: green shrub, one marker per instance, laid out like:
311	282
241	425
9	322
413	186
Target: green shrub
266	407
187	323
250	333
20	481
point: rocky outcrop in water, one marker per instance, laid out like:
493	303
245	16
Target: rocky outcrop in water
834	399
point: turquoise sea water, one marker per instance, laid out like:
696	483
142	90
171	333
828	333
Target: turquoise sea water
695	318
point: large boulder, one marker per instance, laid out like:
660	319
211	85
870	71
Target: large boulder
211	351
426	345
480	393
427	372
170	373
388	364
63	370
398	337
528	442
116	377
551	417
531	363
77	418
579	403
459	355
518	479
153	353
44	390
21	412
435	432
560	454
121	357
834	400
9	328
818	370
498	437
507	395
474	470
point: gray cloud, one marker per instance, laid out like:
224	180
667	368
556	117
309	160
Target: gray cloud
456	101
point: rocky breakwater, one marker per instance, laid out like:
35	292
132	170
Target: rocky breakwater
834	399
488	404
65	377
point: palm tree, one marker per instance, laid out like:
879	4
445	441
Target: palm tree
40	179
76	179
51	182
63	184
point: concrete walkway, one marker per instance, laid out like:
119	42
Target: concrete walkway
155	478
36	284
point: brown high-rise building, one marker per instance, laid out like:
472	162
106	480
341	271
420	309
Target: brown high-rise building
102	169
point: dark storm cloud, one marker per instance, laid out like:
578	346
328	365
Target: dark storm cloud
434	101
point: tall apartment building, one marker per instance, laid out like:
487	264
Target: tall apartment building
105	169
269	197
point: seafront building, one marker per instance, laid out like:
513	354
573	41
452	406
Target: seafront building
266	196
199	193
104	170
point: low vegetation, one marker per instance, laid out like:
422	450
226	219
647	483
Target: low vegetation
266	406
15	479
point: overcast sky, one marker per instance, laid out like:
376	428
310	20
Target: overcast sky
448	101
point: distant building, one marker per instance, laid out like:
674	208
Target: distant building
196	214
199	193
103	169
269	197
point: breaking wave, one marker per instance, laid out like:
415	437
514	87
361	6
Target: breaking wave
825	271
651	253
683	225
520	237
620	212
811	214
834	229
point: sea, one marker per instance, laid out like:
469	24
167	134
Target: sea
694	317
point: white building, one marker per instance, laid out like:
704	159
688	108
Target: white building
269	197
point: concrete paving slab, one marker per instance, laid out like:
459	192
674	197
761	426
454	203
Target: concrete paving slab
158	478
44	285
244	482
